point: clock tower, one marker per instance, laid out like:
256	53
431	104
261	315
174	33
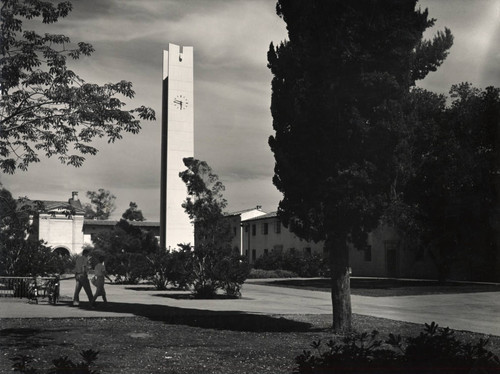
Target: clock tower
177	142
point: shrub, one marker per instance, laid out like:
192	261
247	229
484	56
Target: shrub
181	268
126	248
304	266
70	263
231	272
269	261
434	351
160	265
30	258
207	272
260	274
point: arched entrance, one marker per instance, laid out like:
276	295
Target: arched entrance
61	251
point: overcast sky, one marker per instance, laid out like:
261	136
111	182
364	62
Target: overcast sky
232	90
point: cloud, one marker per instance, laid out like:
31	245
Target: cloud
474	26
232	89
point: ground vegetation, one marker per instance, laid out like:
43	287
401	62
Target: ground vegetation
21	253
126	249
214	263
447	204
307	265
188	342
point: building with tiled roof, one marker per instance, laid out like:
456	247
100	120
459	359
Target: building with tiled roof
60	224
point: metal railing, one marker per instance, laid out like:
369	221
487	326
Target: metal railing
31	288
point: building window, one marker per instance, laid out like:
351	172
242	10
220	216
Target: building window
392	258
292	250
234	231
246	228
265	228
266	251
254	255
307	251
246	253
277	227
368	253
254	230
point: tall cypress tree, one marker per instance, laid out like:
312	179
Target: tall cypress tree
338	83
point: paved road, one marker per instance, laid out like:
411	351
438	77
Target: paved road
477	312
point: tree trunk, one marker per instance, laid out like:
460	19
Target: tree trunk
340	283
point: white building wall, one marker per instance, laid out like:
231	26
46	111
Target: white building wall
385	254
256	241
61	231
236	220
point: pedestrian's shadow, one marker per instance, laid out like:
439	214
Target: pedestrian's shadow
222	320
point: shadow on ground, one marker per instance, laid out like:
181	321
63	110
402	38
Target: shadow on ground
221	320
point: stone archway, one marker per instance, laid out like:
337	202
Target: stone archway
61	251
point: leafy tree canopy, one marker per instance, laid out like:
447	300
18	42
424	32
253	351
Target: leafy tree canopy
337	90
213	262
204	189
126	249
132	213
102	204
46	108
337	85
452	163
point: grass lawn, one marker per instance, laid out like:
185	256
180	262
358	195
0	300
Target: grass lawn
190	343
389	287
202	342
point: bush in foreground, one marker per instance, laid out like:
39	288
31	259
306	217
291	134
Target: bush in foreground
434	351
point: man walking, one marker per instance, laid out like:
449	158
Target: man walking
81	277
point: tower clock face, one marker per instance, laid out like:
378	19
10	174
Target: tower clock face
181	102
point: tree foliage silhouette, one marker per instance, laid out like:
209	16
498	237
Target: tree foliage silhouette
46	108
337	87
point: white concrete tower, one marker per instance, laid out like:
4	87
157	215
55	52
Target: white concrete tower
177	143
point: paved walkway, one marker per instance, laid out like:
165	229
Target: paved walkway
477	312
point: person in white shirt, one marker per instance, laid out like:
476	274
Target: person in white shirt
100	273
82	279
